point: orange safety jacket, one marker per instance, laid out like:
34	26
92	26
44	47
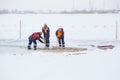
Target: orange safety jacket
59	33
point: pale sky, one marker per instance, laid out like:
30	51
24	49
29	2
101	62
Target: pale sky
59	4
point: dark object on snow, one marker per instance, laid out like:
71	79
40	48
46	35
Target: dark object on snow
105	47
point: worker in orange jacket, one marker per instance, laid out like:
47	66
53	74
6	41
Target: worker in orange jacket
60	37
46	33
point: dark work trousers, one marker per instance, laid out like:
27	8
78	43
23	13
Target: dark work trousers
46	37
31	40
61	40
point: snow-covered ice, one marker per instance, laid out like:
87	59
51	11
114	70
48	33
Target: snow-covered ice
81	30
92	64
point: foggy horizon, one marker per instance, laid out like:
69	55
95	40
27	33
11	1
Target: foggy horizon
58	5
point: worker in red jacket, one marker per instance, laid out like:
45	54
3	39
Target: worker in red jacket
60	37
32	39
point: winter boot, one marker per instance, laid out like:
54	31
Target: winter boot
29	47
59	45
47	45
35	48
63	45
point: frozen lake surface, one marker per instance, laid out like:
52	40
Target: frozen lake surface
76	26
81	31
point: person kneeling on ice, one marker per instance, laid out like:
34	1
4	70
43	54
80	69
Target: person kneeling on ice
32	39
60	37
